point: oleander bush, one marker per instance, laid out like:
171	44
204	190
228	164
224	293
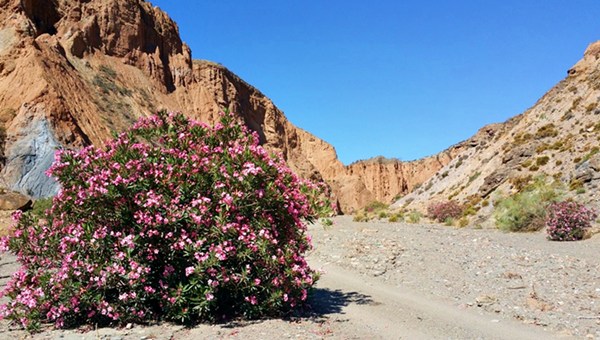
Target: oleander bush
568	221
173	220
443	211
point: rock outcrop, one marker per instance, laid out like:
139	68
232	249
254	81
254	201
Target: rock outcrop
556	138
72	72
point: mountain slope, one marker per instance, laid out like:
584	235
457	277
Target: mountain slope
557	138
73	72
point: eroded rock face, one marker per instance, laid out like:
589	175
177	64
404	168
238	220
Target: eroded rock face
390	178
74	71
29	156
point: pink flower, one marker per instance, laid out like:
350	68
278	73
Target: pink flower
189	271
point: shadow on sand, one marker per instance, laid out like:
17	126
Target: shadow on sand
321	303
327	301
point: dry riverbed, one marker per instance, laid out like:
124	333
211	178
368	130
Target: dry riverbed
408	281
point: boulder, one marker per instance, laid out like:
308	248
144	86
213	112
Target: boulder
15	201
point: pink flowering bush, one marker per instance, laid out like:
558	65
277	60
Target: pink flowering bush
442	211
567	221
173	220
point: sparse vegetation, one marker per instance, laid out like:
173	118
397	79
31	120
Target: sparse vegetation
473	177
521	138
519	183
396	216
591	107
463	222
372	211
414	216
594	150
575	103
540	161
526	210
575	184
548	130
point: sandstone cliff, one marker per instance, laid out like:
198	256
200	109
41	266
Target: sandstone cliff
74	71
558	138
389	179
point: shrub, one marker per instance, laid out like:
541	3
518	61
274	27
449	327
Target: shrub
396	216
414	216
375	206
359	217
463	222
542	160
174	221
382	214
568	221
548	130
526	210
441	211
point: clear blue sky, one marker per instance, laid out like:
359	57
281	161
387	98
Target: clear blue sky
402	79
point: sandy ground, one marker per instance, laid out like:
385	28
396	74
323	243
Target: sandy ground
403	281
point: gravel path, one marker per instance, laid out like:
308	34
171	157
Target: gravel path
554	285
393	280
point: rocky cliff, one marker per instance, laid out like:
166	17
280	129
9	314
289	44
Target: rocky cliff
388	179
74	71
557	138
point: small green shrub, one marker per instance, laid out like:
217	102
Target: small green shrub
463	222
396	216
526	210
540	161
414	216
326	222
359	217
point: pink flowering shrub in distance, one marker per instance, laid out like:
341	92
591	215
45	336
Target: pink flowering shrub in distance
441	211
174	221
568	220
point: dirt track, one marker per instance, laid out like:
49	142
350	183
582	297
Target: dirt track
398	281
